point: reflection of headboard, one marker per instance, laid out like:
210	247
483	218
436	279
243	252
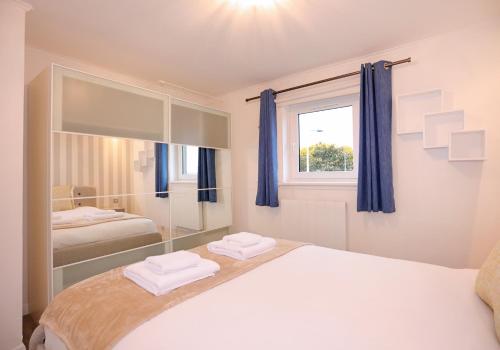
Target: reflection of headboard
84	191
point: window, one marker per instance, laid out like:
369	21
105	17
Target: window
188	162
326	140
322	137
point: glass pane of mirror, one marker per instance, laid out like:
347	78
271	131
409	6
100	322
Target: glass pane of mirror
104	166
195	125
109	165
112	197
189	242
87	104
86	228
187	213
65	276
218	214
192	213
184	163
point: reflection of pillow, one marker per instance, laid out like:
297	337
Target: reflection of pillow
62	192
488	284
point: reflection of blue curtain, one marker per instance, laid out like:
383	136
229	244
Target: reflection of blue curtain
267	189
206	175
161	169
375	188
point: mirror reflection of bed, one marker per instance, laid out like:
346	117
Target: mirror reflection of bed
83	229
104	199
113	195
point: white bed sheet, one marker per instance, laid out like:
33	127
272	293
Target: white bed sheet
320	298
134	224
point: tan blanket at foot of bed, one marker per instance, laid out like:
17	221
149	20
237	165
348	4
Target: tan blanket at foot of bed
98	312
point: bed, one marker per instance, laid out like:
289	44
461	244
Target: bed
73	243
321	298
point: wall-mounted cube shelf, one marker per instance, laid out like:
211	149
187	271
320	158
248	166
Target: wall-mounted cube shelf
467	145
438	126
411	107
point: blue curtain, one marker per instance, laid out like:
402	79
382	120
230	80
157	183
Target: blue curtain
375	188
206	175
267	188
161	170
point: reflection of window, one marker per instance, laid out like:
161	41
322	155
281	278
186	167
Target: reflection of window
189	162
323	140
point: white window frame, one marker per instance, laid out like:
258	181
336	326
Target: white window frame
181	158
291	158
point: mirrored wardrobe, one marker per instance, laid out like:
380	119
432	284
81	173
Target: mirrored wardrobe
118	173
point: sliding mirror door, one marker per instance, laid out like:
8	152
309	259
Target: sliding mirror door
110	204
201	174
200	190
117	201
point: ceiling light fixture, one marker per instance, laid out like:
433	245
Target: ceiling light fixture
244	4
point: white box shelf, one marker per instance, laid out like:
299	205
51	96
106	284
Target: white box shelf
468	145
411	107
438	126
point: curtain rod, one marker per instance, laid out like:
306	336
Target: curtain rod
386	65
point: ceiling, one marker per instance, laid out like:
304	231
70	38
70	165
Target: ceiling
215	46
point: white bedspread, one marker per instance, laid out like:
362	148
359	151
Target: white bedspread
130	225
319	298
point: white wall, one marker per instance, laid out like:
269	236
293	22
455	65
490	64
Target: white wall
447	213
12	24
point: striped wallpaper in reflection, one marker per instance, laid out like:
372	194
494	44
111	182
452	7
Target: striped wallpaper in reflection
105	163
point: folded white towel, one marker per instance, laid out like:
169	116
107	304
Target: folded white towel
172	262
161	284
241	253
83	214
243	239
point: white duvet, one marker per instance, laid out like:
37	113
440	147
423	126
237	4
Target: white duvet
125	225
319	298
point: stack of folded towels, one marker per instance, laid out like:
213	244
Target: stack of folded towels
162	273
242	246
83	214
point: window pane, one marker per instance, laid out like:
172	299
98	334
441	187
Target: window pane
326	140
189	160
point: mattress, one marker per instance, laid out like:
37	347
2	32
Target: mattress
130	225
320	298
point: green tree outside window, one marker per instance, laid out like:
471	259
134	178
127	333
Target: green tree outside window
323	157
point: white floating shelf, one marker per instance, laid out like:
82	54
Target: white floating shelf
438	126
469	145
411	107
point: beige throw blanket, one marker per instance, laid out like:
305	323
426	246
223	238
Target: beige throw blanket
96	313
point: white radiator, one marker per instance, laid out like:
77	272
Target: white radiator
187	212
320	222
